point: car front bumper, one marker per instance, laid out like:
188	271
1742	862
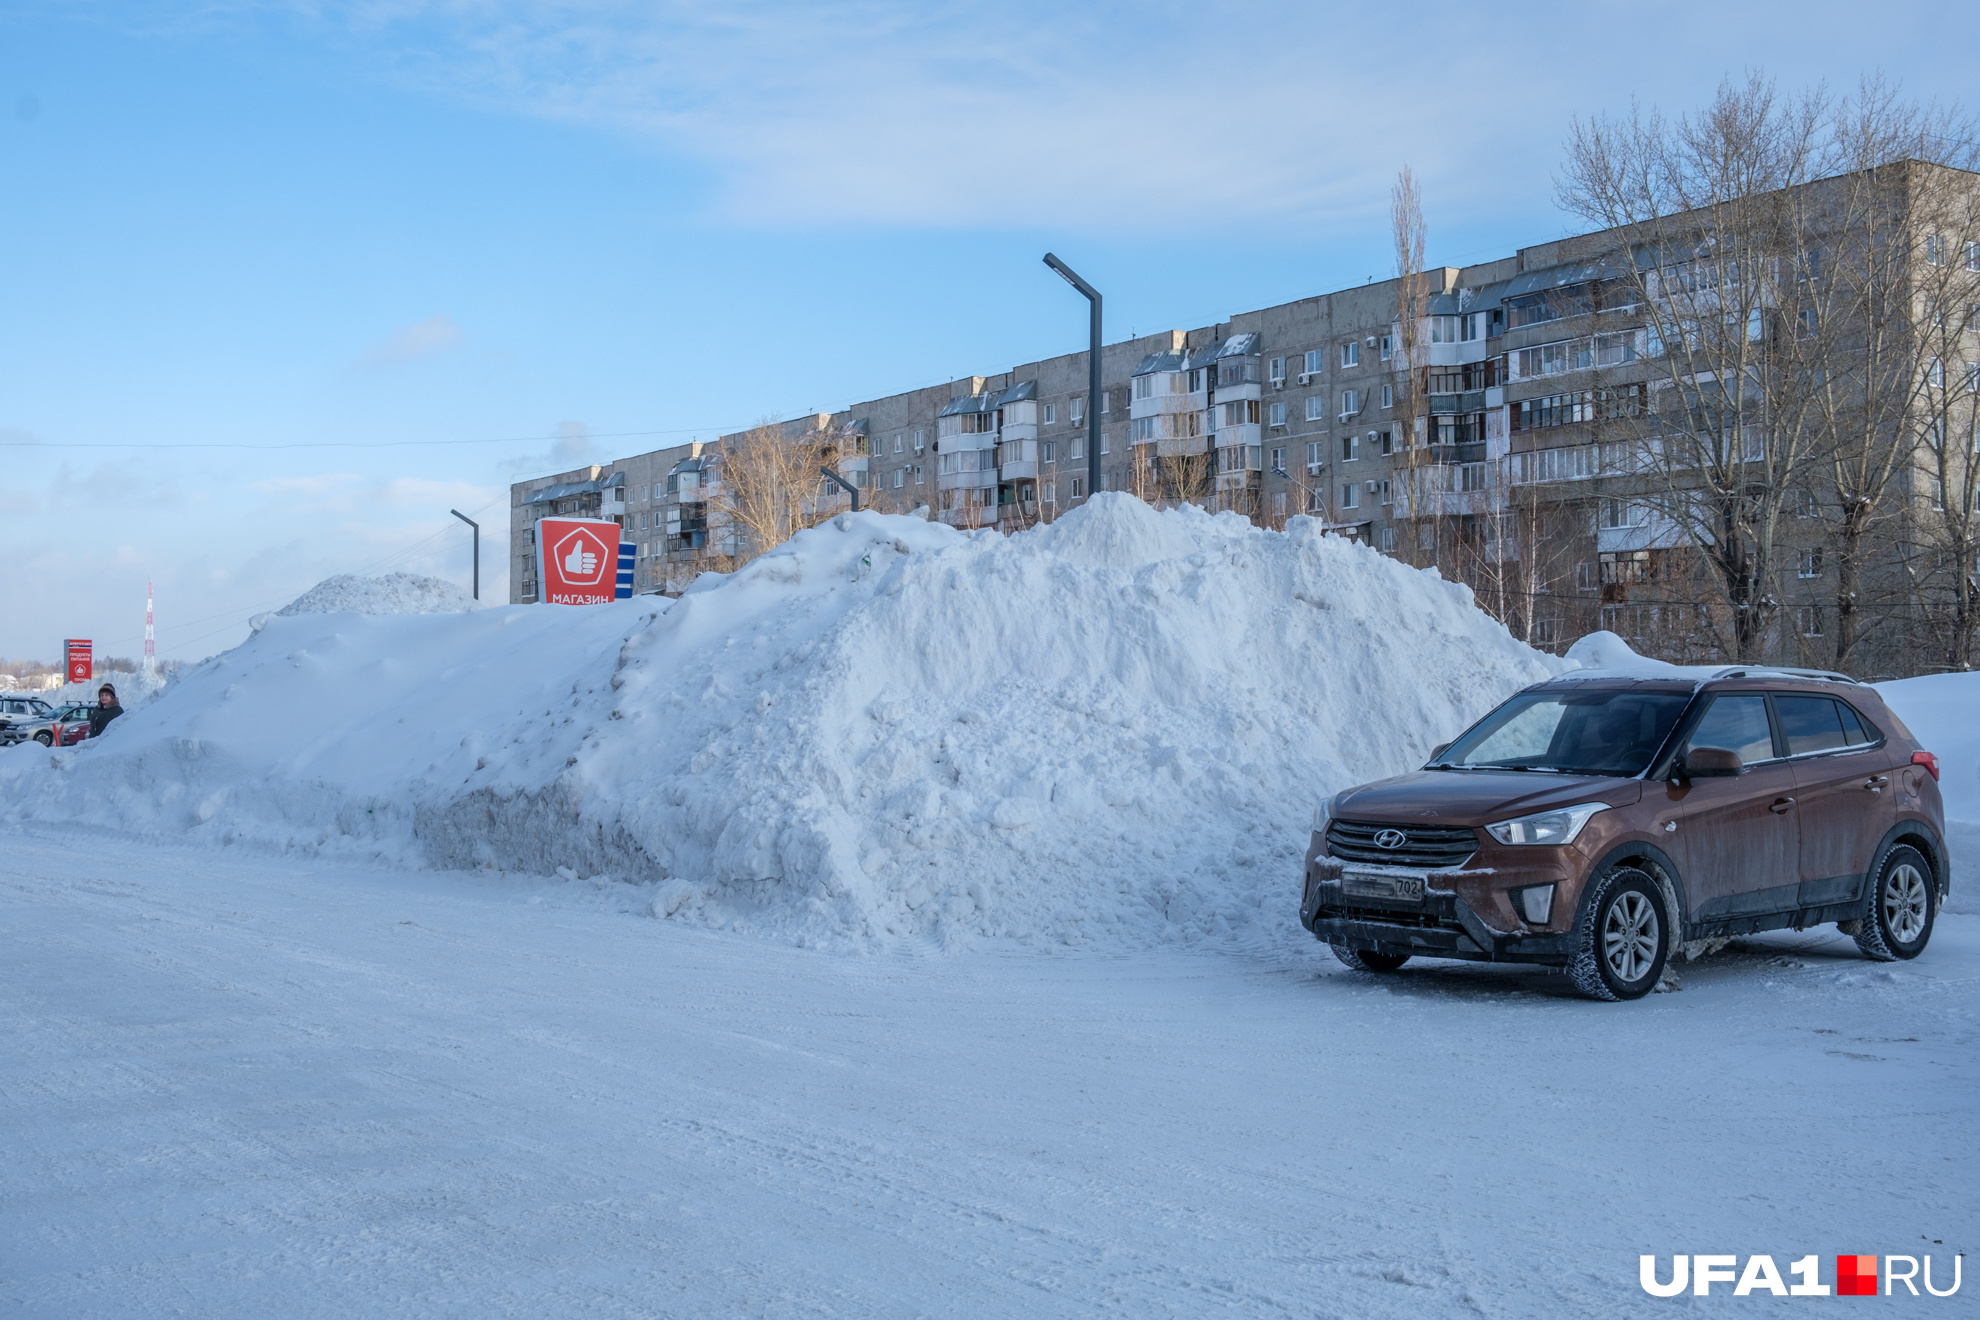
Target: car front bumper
1442	926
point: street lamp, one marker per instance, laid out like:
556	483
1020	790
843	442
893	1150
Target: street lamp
842	484
1313	500
477	548
1092	374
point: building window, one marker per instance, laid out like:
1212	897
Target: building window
917	474
1443	330
1388	347
1388	540
1809	563
1141	429
1242	413
1935	250
1351	353
1973	256
900	478
1279	460
1078	411
1316	409
1622	513
1808	620
1047	452
1351	496
1051	413
1076	447
1278	371
1315	456
1278	414
1078	487
1350	448
1387	442
1144	387
1312	361
1388	396
1350	402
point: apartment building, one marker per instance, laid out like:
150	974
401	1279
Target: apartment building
1502	441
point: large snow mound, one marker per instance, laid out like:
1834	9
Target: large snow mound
1110	730
390	593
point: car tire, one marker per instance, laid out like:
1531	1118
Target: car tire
1624	938
1367	960
45	738
1900	908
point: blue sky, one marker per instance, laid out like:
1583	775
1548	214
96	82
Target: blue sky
335	234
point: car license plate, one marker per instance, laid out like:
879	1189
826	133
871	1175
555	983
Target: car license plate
1382	884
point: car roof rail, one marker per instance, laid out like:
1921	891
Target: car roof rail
1783	671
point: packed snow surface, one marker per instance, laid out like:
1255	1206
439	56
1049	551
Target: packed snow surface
1111	730
243	1086
391	593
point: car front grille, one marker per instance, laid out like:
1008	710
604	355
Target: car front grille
1432	847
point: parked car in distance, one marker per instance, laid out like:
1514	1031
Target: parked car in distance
1598	822
23	717
73	723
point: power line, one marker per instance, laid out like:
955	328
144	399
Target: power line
347	444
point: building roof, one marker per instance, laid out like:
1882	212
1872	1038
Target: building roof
968	403
1204	356
857	426
1239	346
1155	362
1024	389
564	491
1558	277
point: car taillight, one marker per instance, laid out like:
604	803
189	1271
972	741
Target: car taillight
1929	761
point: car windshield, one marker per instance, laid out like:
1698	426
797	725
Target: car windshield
1613	732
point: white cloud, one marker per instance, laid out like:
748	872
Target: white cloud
409	343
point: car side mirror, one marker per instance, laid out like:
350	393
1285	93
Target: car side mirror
1710	763
1439	750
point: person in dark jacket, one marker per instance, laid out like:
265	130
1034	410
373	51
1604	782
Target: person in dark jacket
106	710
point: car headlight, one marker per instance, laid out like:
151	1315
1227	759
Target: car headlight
1549	827
1323	815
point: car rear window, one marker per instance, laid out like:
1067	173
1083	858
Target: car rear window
1820	724
1737	721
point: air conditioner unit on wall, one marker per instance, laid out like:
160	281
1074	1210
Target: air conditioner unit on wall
1372	487
1305	376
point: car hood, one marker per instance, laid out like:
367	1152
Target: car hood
1478	797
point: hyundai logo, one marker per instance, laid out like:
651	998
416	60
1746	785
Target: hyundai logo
1391	839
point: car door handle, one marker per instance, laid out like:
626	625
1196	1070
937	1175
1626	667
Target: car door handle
1782	806
1876	783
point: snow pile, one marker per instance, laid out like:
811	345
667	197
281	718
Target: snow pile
1943	712
1111	730
391	593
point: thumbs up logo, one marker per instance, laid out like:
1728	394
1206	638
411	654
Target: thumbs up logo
581	557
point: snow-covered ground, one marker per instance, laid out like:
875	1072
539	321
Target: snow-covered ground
237	1088
925	945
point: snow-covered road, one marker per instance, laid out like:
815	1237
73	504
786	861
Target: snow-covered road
231	1086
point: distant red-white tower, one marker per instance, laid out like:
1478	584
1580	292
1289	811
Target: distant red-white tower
150	646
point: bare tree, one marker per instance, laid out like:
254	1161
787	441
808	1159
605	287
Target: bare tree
769	489
1709	204
1410	237
1942	482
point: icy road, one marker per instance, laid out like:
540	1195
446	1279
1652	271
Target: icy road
241	1087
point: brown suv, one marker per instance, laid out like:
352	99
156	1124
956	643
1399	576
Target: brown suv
1598	822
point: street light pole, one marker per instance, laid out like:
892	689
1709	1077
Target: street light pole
1092	374
477	548
842	484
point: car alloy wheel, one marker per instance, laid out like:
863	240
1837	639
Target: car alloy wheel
1897	920
1624	937
1629	936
